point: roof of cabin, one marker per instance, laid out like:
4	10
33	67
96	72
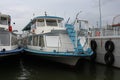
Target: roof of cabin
27	27
116	25
53	17
4	15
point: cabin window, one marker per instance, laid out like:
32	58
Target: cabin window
14	40
40	23
33	26
35	40
51	22
24	41
41	41
53	41
30	40
4	39
3	20
60	23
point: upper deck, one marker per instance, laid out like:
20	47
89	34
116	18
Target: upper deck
44	24
4	21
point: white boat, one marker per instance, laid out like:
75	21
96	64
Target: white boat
105	43
46	36
8	39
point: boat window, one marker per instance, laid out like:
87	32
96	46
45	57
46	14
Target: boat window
35	40
53	41
30	40
82	32
40	23
60	23
33	26
3	21
4	39
41	41
51	22
14	40
24	41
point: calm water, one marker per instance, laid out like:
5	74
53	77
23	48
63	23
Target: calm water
34	69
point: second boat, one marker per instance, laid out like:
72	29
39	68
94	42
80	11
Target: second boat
47	37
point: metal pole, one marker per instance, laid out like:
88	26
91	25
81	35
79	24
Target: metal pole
100	16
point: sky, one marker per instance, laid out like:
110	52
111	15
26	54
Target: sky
21	11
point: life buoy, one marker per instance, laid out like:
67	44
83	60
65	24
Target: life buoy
33	30
109	58
97	33
10	28
109	46
93	45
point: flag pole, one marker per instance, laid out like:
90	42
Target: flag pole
100	17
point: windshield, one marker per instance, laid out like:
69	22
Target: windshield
51	22
3	21
40	23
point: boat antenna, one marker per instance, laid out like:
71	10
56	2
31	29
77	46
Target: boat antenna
68	20
33	14
76	17
45	13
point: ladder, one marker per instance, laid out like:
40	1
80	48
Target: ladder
73	37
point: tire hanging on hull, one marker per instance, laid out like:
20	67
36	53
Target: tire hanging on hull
109	58
109	46
93	45
93	57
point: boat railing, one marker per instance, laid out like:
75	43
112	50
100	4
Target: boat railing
104	32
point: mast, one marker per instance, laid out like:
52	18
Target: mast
100	16
45	13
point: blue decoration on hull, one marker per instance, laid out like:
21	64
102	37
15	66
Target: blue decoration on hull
11	52
56	53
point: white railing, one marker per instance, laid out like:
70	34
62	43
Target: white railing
105	32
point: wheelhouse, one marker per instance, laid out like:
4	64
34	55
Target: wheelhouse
7	38
4	21
43	24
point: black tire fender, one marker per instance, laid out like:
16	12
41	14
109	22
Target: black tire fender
93	45
109	46
109	58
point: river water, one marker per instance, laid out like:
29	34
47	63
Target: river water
31	69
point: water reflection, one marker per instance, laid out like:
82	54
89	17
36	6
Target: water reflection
24	73
84	71
109	73
29	69
9	68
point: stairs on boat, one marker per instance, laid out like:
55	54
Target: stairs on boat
72	35
76	42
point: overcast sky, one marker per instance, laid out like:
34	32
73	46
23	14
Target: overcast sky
22	11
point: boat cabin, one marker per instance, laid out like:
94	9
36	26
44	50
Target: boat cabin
43	24
7	39
47	33
4	21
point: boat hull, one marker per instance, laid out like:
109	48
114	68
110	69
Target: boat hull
11	52
61	58
101	51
